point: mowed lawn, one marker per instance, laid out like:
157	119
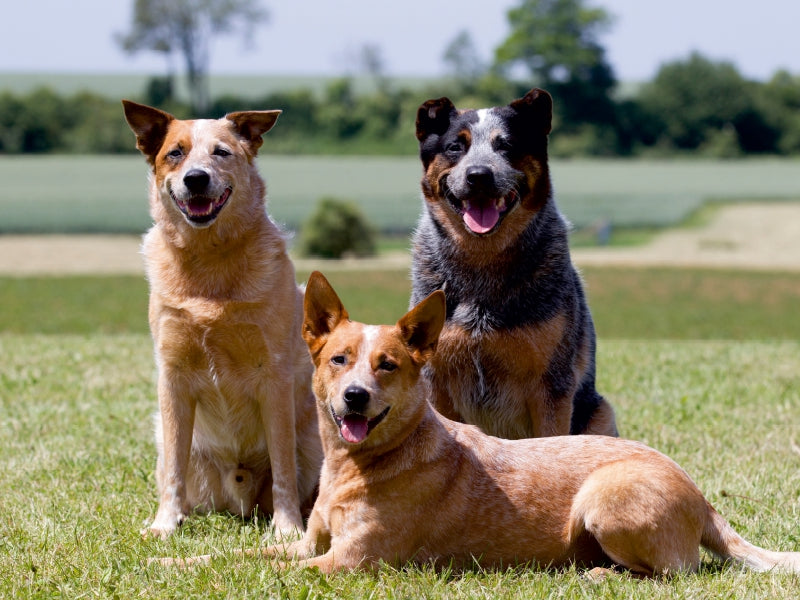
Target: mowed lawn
702	365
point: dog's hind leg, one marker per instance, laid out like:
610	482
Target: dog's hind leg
646	517
591	413
602	421
240	486
203	484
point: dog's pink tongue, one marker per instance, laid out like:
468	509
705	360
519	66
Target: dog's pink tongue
354	428
481	219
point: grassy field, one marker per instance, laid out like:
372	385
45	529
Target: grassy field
647	303
77	477
108	193
703	365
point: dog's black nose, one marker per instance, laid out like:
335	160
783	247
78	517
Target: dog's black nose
480	177
196	181
356	398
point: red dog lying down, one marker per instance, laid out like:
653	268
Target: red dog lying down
401	483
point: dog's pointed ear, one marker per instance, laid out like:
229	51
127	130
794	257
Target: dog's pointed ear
322	312
252	124
535	111
421	326
150	126
433	117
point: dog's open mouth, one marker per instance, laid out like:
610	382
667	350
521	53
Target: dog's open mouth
482	217
201	209
481	213
355	427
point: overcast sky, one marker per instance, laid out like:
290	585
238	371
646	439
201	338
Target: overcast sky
320	37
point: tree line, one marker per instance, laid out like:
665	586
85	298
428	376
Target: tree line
692	105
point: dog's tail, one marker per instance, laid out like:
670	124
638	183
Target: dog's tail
721	539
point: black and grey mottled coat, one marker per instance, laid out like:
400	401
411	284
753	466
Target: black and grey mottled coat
517	356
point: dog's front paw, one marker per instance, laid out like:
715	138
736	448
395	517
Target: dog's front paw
286	534
298	549
163	526
157	532
286	528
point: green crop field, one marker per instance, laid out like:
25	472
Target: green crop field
108	193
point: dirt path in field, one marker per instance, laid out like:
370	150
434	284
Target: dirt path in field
747	236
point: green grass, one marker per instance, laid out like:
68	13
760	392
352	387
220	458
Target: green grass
85	304
77	457
680	304
664	303
108	193
720	393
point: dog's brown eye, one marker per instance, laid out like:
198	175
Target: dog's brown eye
454	148
221	152
176	153
386	365
338	360
501	144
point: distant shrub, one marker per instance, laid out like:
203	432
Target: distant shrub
585	140
337	228
159	91
97	126
722	143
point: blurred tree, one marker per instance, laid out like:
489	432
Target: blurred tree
299	108
337	115
44	121
11	130
463	60
159	91
371	62
557	42
694	100
186	27
97	127
779	101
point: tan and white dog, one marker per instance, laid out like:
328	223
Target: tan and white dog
401	483
237	428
